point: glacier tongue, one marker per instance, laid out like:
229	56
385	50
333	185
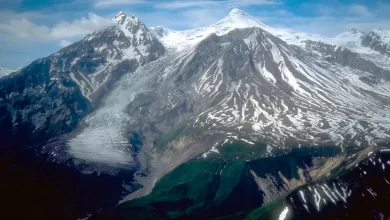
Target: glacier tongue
104	137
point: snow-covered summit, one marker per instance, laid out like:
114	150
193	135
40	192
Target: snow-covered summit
383	35
354	31
351	39
128	22
119	18
239	19
351	35
137	32
179	40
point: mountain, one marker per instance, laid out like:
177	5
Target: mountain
180	40
378	40
202	118
5	71
51	95
246	85
350	39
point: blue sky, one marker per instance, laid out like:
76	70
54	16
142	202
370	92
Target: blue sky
30	29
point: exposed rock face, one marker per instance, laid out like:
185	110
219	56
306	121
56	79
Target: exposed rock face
361	192
36	105
378	40
181	113
245	85
52	94
101	58
321	167
249	81
347	58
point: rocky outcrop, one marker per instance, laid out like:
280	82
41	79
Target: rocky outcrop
359	192
51	95
378	40
321	167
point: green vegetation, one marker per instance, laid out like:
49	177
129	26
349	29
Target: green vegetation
219	186
240	150
201	187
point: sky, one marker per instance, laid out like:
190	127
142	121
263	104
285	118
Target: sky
31	29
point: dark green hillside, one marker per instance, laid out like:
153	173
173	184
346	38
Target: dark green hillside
216	186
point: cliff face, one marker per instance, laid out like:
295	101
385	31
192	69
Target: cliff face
320	167
52	94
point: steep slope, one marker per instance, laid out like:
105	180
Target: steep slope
101	58
357	42
378	40
250	81
52	94
50	97
359	192
245	85
351	39
213	112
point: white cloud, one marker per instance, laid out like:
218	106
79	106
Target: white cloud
186	4
201	17
360	10
24	29
80	27
64	43
111	3
183	19
212	4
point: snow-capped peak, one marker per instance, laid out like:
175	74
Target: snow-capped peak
132	27
354	31
350	35
236	11
179	40
379	30
239	19
122	19
119	18
351	39
383	34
